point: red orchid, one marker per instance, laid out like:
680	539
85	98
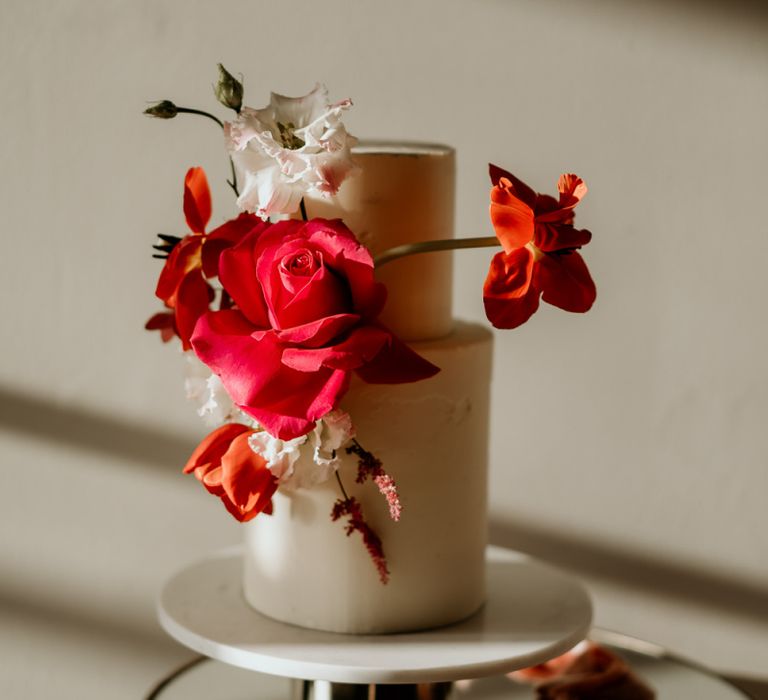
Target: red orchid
183	285
165	322
227	466
540	258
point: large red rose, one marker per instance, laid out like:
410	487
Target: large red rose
305	319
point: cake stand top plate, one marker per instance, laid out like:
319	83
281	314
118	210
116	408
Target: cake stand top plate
533	613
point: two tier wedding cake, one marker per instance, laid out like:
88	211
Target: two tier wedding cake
431	436
350	408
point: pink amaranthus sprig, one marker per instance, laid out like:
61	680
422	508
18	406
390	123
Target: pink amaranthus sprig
370	466
285	313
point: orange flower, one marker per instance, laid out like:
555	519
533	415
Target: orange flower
227	466
182	285
539	259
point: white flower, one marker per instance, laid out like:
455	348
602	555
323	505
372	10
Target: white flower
280	455
309	459
294	146
215	406
333	431
218	407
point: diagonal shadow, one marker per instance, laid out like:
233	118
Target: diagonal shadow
88	430
95	432
679	580
738	15
58	615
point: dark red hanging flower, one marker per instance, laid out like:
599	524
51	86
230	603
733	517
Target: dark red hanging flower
183	284
540	258
353	511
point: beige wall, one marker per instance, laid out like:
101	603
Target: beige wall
634	435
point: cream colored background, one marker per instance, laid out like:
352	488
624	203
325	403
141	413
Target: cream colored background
629	444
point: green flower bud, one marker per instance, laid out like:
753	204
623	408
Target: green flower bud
229	90
162	110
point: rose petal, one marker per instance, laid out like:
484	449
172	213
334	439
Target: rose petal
197	200
228	234
566	282
362	345
354	263
318	333
509	294
237	275
284	415
396	363
284	401
281	239
322	295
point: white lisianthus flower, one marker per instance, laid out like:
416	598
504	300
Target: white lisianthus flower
292	147
218	407
215	406
333	431
280	455
309	459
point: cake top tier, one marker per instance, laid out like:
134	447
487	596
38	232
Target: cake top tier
403	193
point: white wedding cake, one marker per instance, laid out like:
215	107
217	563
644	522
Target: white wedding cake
431	436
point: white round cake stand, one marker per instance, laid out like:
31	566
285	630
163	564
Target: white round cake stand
533	613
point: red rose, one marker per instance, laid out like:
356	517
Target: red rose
227	466
307	303
540	258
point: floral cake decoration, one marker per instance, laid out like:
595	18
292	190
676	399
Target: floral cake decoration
276	311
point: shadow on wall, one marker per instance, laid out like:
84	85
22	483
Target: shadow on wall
86	430
633	569
91	431
739	14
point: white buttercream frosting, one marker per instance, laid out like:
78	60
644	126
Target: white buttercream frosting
431	436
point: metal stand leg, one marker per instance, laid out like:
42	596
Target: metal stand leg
325	690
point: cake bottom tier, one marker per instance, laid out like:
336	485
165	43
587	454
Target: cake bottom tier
432	437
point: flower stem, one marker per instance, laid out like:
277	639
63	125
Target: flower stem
233	182
341	486
434	246
303	208
189	110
